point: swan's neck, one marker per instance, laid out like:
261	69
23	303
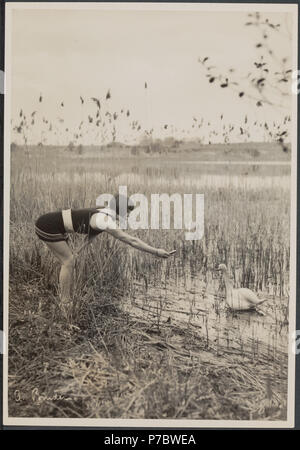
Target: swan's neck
228	282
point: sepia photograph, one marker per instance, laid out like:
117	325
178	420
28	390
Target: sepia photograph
150	214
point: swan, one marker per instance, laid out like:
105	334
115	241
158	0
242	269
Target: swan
241	299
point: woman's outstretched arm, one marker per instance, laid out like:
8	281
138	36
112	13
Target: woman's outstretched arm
138	243
105	223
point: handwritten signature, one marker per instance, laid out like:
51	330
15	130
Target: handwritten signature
36	397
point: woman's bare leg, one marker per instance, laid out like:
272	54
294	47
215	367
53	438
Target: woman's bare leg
63	253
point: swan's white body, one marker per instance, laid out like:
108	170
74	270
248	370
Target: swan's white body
241	299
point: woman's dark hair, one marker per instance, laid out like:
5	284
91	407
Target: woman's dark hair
118	198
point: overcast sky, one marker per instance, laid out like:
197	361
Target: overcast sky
65	54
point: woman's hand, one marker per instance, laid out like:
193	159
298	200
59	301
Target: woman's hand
161	253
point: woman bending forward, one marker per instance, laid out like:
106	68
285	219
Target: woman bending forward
53	229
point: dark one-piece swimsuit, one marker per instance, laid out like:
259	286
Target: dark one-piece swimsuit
50	227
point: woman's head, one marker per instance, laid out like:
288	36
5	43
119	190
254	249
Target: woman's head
121	204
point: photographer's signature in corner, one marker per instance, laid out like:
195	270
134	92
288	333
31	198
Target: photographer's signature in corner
36	397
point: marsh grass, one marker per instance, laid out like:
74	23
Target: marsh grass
121	365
